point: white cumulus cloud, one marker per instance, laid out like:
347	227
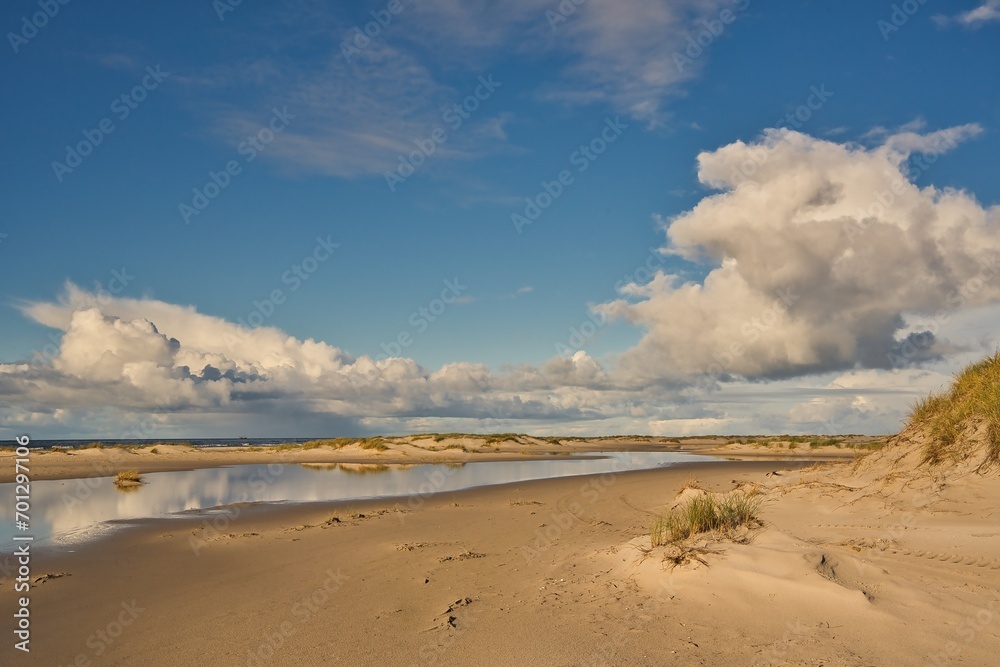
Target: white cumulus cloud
820	253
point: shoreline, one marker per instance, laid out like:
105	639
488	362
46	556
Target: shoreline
108	461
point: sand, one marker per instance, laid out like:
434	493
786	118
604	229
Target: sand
849	569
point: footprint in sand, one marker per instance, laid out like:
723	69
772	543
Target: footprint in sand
449	616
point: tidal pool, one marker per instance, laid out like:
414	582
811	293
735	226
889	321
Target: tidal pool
64	512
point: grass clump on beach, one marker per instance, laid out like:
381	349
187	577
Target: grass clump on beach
377	443
972	402
438	437
332	443
707	513
127	478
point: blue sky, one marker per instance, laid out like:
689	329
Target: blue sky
200	81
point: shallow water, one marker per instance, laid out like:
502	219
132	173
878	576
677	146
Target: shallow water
64	512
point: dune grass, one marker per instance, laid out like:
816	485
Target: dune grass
706	514
122	447
813	442
377	443
489	438
128	478
496	438
974	398
332	443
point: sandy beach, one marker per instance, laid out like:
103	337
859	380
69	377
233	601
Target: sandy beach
848	569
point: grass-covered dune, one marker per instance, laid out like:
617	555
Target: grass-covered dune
965	420
951	433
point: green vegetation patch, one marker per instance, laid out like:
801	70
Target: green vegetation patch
974	398
707	513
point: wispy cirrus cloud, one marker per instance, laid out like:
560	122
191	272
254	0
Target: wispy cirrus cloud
357	115
351	117
627	60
